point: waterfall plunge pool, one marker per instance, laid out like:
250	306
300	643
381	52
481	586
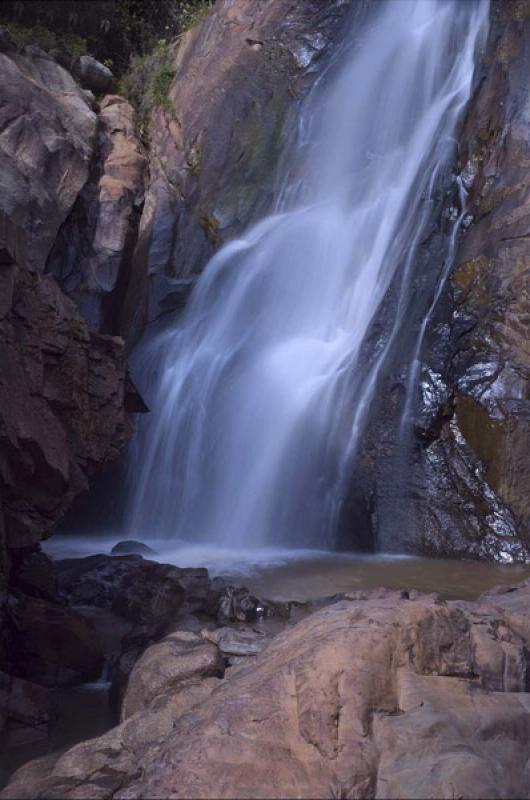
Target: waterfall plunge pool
280	574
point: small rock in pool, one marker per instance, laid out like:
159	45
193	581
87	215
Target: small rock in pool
130	546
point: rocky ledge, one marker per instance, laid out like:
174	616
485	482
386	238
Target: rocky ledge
376	694
74	621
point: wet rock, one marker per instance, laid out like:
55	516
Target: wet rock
132	547
142	592
231	604
453	478
385	694
179	661
476	472
52	645
93	75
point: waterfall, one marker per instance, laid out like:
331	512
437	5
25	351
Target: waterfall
258	392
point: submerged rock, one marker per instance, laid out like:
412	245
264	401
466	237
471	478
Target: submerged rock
382	694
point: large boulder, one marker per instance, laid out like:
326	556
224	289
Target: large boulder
47	138
142	592
180	661
92	74
381	694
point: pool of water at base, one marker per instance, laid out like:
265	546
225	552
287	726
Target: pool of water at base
302	575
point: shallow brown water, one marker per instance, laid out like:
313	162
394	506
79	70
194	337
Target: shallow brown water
281	574
309	579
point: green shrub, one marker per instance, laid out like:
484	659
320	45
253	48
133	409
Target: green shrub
191	14
148	80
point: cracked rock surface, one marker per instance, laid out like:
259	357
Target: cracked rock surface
381	694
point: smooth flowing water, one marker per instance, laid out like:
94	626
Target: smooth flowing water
257	393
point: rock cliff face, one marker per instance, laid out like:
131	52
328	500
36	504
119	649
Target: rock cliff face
378	695
125	233
475	467
459	485
92	252
63	390
213	155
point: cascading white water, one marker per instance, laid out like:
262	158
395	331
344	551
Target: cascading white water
251	431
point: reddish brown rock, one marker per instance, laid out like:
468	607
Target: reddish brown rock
179	662
69	417
374	696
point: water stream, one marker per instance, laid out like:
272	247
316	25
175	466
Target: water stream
258	393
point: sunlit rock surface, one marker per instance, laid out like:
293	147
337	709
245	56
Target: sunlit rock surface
382	694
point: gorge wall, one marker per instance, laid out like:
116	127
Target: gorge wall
104	230
456	481
102	233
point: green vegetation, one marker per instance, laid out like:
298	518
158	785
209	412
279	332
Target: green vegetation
148	80
114	30
191	14
131	37
46	39
160	79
